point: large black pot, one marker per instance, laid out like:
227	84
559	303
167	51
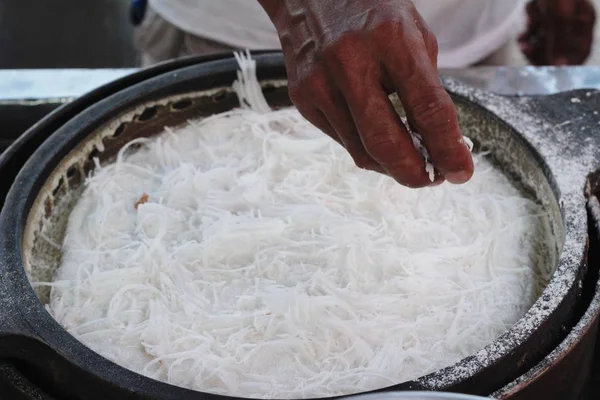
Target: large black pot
540	157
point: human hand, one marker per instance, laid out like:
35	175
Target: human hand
343	58
559	32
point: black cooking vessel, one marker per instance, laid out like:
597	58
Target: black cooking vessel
31	335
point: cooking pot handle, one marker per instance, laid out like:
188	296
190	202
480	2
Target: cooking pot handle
23	321
17	336
28	333
19	344
58	375
66	375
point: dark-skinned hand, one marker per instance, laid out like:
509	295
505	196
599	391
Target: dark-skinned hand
343	59
559	32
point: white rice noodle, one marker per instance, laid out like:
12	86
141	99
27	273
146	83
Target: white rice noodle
265	264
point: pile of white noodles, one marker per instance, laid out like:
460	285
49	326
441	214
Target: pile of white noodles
263	263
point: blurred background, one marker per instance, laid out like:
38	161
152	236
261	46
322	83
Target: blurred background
66	34
93	34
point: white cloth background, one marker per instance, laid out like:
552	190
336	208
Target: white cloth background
467	30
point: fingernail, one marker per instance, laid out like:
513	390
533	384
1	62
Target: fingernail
458	177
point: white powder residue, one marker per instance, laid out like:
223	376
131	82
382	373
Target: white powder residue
577	334
570	162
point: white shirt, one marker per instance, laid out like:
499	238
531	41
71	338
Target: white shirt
467	30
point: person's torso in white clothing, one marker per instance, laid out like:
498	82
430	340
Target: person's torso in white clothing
467	30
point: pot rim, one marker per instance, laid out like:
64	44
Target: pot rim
26	188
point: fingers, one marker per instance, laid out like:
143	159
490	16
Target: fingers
316	117
329	112
384	136
311	92
431	43
340	117
429	108
382	133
